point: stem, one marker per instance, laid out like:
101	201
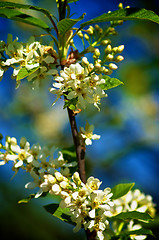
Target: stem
80	151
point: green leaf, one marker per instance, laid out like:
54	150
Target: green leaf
125	14
66	24
110	83
61	213
71	103
121	189
141	231
71	1
12	5
26	200
24	72
132	215
69	155
22	17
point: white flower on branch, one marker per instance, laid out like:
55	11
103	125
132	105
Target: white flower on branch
87	134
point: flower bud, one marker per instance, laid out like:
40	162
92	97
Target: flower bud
76	178
71	42
113	66
109	57
90	67
119	58
97	52
90	30
120	5
85	61
105	42
80	34
106	71
97	65
86	36
108	49
51	179
59	176
102	69
120	48
115	49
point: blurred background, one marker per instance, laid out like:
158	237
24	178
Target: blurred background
128	123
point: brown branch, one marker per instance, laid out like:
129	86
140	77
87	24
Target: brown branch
80	151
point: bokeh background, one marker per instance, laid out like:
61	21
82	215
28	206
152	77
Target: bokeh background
128	123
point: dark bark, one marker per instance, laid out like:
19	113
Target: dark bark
80	151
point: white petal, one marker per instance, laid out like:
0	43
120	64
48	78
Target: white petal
88	141
15	148
30	159
92	213
18	164
30	185
38	194
100	235
2	163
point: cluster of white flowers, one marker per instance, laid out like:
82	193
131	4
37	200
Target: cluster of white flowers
79	82
83	81
89	206
134	200
31	56
36	160
87	134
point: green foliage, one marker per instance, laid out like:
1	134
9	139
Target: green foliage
110	83
61	213
23	17
125	14
121	189
132	215
71	1
66	24
69	155
12	5
24	72
71	104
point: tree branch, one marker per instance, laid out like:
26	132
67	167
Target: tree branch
80	151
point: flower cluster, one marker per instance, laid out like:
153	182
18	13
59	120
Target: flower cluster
81	83
77	82
89	206
134	200
38	60
36	160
